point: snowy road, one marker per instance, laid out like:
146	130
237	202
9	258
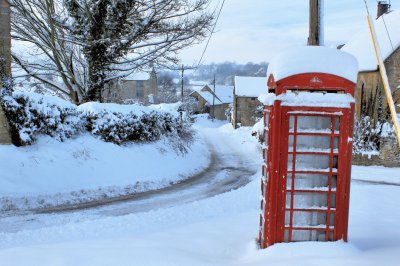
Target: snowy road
228	170
196	223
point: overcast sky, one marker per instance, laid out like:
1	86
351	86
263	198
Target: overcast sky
254	30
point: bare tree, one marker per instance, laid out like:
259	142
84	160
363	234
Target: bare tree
119	36
167	89
52	59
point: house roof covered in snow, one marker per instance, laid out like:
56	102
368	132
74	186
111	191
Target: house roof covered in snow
223	92
138	76
313	59
250	86
208	97
361	45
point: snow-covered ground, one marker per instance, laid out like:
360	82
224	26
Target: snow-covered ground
220	230
86	168
376	174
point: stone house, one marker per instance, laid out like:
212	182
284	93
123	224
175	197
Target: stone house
247	109
369	94
216	104
138	87
5	52
369	91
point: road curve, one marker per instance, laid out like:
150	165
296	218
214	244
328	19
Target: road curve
219	177
226	172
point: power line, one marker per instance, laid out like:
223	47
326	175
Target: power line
205	48
212	31
396	61
366	7
384	23
386	28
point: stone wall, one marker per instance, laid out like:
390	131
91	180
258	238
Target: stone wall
368	83
4	135
5	29
369	86
219	111
119	90
245	111
201	103
393	73
389	155
5	52
390	152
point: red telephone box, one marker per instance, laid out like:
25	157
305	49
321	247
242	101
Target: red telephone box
308	129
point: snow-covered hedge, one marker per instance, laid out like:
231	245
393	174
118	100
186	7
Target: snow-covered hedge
367	135
118	127
31	115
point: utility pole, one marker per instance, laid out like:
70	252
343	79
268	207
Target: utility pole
181	110
213	105
182	69
316	24
5	57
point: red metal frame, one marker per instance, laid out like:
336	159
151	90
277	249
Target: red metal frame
312	82
274	187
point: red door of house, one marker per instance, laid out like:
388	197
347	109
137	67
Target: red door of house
313	158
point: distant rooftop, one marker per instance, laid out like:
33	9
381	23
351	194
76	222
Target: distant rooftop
223	92
250	86
138	76
197	83
208	97
361	45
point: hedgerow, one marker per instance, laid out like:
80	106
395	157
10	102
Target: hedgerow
31	115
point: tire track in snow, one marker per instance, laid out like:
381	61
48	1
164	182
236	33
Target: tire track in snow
383	183
226	172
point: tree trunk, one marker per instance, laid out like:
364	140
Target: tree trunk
96	53
96	83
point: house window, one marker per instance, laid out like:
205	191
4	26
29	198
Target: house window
140	84
139	93
140	88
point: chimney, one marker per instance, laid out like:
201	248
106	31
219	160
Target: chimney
383	8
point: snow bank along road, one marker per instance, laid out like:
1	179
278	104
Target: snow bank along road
229	169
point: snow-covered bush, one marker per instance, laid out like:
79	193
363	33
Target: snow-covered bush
258	131
122	123
120	127
388	131
31	114
367	135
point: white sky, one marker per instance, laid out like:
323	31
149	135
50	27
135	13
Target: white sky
254	30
